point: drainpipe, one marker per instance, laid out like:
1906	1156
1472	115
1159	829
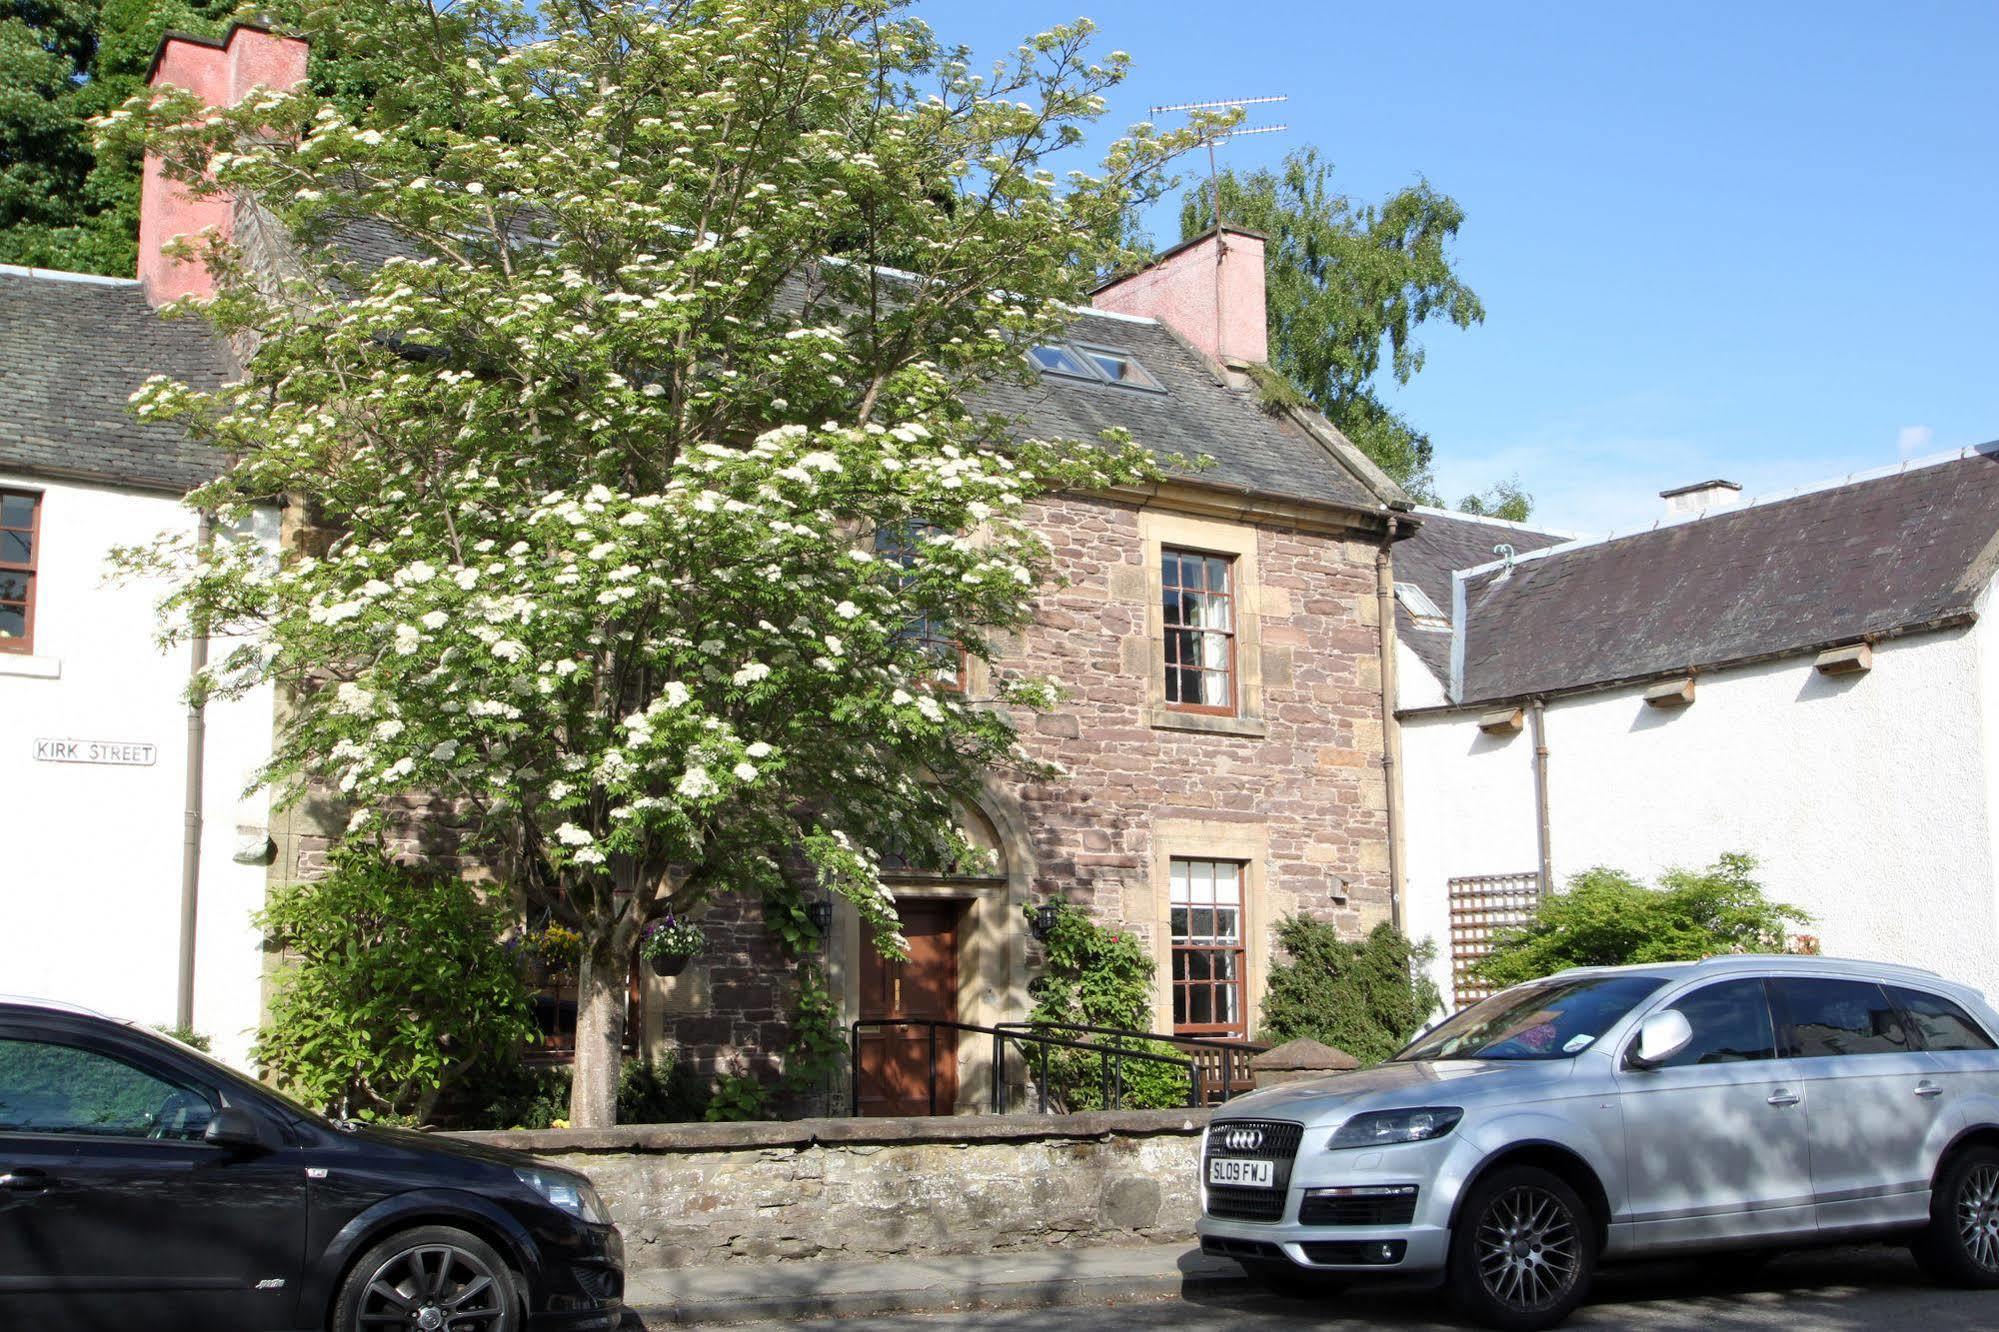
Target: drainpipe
190	852
1391	730
1538	713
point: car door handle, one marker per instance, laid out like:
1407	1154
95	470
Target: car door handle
1928	1089
1781	1097
24	1181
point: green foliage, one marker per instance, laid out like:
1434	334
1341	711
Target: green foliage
396	986
660	1092
511	1095
1347	283
530	1096
607	455
738	1097
62	205
1367	997
817	1046
66	203
1607	918
187	1036
1503	499
1101	976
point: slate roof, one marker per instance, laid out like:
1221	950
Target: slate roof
1900	551
1445	541
72	350
1197	415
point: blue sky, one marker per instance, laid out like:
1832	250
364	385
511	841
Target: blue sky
1751	241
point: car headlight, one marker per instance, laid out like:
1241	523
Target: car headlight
1382	1128
571	1193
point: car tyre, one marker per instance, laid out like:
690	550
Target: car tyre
433	1277
1523	1250
1292	1281
1960	1246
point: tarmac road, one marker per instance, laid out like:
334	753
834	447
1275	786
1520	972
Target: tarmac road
1850	1288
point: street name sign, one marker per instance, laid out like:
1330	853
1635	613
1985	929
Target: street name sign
119	753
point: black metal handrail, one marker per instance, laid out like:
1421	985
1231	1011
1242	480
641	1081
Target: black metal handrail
854	1052
1227	1052
1024	1033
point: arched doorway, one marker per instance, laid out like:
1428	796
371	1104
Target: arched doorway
967	963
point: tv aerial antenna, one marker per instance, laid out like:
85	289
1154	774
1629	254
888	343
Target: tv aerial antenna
1215	141
1215	180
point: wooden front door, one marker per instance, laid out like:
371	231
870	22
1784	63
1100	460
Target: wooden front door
897	1061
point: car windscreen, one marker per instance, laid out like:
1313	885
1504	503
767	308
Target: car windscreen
1547	1020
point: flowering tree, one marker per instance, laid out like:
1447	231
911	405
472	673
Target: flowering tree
592	366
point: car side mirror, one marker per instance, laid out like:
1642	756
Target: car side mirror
233	1126
1660	1037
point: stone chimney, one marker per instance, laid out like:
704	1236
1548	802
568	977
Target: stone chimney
1700	496
1209	290
222	74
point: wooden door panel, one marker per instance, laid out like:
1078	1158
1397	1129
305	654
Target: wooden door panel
895	1062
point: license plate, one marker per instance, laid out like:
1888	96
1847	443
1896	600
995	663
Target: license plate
1243	1174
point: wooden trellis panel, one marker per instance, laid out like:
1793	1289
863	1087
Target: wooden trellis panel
1483	906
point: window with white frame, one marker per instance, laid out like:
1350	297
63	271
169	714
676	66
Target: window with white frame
1209	996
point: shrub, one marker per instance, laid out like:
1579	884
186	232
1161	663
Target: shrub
1100	976
1367	997
397	986
529	1096
661	1092
1608	918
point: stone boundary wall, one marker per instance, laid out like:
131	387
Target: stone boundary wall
694	1194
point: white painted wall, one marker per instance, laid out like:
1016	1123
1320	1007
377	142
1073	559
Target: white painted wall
1872	801
90	856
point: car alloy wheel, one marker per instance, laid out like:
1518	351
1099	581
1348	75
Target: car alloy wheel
1960	1246
434	1287
1528	1247
1978	1215
1523	1249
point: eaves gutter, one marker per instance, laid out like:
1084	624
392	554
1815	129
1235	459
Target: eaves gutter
1237	503
91	476
1935	624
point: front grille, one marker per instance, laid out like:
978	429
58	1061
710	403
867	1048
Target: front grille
602	1283
1221	1246
1277	1141
1382	1209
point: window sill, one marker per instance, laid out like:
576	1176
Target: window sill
1167	719
34	668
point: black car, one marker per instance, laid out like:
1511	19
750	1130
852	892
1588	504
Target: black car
144	1185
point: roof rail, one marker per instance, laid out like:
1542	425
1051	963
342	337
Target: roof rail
54	1006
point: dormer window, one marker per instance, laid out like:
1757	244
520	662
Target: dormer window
1422	611
1102	365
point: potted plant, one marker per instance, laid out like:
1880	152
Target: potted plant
668	942
553	952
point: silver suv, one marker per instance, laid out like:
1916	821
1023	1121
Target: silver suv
1740	1103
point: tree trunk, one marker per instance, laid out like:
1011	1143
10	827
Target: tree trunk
600	1039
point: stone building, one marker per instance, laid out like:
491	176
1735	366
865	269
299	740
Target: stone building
1224	741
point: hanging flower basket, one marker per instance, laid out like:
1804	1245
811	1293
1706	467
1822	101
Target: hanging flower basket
668	943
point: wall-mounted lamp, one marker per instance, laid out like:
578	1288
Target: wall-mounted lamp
1043	922
821	915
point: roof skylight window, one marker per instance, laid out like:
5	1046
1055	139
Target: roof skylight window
1422	610
1102	365
1059	358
